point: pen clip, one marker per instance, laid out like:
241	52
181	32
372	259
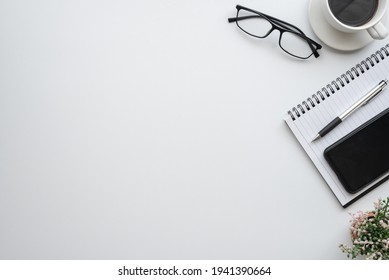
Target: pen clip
380	88
370	99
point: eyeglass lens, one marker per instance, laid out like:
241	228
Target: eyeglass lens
258	26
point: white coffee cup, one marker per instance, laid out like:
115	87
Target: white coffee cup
374	25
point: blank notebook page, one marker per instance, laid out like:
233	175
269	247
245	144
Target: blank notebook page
308	118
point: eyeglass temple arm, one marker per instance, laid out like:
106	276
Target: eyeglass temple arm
285	23
309	40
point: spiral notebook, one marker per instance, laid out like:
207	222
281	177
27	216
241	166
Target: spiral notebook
318	109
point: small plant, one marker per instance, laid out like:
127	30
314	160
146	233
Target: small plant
370	233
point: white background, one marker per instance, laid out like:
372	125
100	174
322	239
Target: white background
154	130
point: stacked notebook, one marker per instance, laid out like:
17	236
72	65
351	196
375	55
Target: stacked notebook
317	110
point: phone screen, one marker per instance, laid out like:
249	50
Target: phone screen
362	156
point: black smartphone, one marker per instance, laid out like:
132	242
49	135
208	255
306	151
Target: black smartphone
362	156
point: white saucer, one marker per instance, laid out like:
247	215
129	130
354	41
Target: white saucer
333	37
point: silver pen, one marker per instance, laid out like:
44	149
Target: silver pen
363	101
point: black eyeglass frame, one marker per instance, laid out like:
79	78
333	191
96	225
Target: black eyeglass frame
279	25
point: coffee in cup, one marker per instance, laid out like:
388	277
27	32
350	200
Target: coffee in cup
353	12
357	15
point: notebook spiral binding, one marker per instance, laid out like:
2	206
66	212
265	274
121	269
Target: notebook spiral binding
338	83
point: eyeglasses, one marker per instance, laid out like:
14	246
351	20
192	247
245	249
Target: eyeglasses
292	40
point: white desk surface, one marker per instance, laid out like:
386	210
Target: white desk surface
154	130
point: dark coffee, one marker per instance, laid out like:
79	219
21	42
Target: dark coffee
353	12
